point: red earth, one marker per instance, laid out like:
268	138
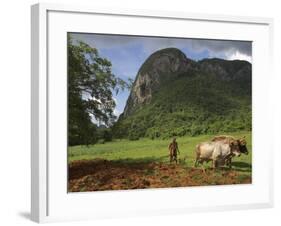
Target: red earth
100	175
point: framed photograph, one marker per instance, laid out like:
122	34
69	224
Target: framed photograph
143	112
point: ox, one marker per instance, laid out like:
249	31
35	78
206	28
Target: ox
227	140
216	151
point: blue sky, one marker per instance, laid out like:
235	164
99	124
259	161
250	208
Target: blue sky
128	53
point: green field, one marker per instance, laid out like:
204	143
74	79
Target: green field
124	164
155	150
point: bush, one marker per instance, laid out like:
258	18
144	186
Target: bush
104	134
133	136
107	135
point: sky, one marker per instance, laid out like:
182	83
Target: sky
128	53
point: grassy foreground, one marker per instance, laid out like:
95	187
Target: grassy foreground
124	164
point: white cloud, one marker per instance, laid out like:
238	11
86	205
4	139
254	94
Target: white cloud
239	56
116	112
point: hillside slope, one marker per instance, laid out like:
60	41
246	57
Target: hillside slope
175	96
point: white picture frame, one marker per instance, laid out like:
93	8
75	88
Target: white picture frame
48	191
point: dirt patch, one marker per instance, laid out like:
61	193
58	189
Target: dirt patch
100	175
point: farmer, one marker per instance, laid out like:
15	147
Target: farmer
174	150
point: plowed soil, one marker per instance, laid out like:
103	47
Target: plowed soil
101	174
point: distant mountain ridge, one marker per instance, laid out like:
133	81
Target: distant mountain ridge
173	95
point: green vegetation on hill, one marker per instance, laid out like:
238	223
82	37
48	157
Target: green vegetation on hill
192	103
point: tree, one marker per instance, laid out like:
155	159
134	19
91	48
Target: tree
130	83
90	92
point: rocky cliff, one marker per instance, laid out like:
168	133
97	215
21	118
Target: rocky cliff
173	96
160	67
167	64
